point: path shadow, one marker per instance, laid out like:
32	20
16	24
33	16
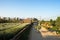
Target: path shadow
26	33
23	37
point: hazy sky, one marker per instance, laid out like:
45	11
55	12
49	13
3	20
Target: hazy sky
30	8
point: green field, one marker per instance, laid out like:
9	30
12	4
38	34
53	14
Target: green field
10	29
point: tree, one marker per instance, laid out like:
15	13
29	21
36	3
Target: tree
43	21
4	19
52	22
35	21
58	24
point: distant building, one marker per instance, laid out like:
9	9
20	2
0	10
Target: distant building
28	20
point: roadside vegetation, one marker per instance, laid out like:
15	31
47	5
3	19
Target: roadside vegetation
56	25
10	29
52	25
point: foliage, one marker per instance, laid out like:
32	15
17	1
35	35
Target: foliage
42	22
52	22
58	24
10	30
9	20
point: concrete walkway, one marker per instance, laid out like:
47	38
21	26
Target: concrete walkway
35	35
45	32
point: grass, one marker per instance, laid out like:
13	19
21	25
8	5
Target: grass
11	31
54	29
4	26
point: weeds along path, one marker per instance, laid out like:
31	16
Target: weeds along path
23	34
8	33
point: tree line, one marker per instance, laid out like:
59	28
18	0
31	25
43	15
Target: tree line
54	23
10	20
17	20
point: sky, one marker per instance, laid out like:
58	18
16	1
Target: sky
42	9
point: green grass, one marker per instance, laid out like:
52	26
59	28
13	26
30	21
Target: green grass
4	26
11	31
54	29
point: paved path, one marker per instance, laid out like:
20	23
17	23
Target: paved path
35	35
